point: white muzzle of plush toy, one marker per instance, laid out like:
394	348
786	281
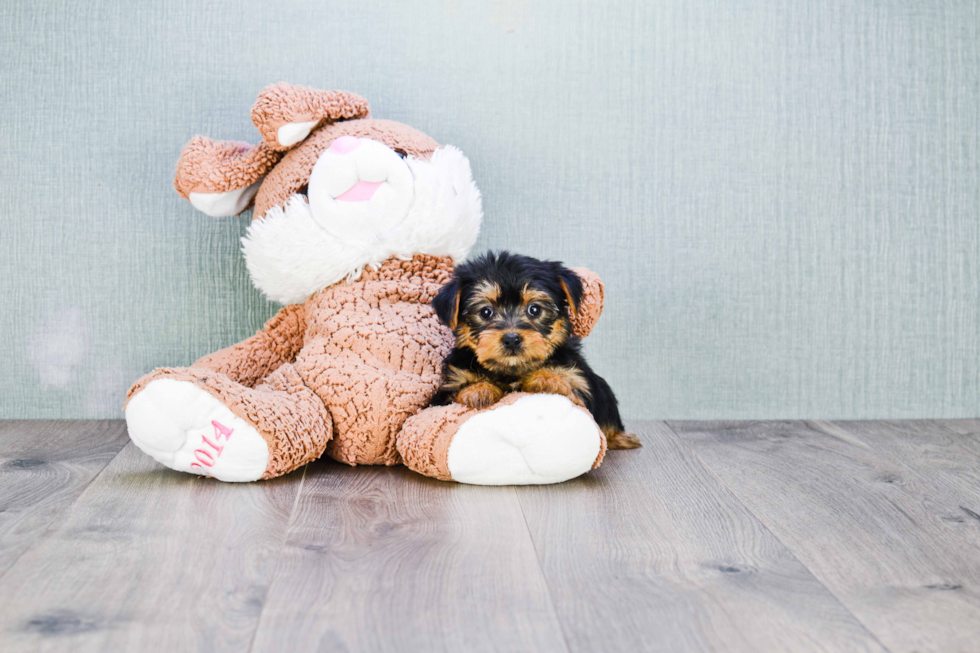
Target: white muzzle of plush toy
360	190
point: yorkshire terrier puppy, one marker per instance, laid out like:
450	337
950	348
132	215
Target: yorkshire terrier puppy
510	316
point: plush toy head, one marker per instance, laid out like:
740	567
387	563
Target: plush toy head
333	190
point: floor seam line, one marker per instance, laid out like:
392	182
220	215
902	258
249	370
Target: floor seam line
282	548
544	577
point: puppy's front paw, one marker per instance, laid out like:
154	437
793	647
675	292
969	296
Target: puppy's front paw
564	382
479	395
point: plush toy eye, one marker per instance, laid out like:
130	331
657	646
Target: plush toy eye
401	154
534	310
486	312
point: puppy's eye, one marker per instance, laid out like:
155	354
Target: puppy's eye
534	310
486	312
401	153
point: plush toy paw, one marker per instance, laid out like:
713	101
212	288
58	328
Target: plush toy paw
536	440
521	440
187	429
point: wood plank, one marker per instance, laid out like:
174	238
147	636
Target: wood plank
946	452
651	552
873	531
149	559
44	466
382	559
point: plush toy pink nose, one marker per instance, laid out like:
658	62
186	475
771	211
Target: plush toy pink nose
344	145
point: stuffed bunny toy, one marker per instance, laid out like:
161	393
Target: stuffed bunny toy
357	223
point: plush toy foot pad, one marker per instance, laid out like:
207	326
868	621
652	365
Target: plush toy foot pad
536	440
187	429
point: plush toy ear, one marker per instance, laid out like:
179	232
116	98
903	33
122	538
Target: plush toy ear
285	114
220	178
586	295
572	286
446	303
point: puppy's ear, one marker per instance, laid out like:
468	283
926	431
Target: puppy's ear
446	303
586	295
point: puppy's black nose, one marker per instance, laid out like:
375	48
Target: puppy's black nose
512	341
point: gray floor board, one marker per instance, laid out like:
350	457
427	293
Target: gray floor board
799	536
944	453
44	466
382	559
651	552
149	560
874	510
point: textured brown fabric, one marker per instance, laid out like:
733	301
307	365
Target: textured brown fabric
293	172
286	413
373	353
210	166
603	446
587	312
425	438
284	103
251	360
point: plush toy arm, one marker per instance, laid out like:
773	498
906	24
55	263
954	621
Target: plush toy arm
253	359
286	114
589	308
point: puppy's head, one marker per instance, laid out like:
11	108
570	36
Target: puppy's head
512	311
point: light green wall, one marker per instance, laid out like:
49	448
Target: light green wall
781	196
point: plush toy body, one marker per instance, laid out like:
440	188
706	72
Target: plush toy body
356	227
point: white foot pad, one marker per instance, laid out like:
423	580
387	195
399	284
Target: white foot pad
536	440
187	429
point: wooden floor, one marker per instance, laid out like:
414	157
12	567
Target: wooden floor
762	536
